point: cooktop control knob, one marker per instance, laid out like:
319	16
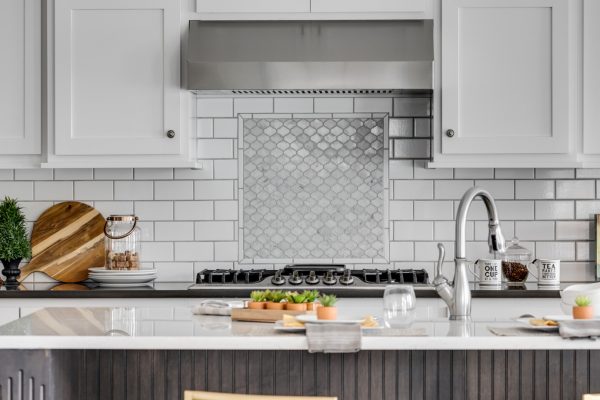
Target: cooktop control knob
347	278
312	278
295	278
329	278
277	279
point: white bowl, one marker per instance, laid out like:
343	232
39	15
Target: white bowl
591	290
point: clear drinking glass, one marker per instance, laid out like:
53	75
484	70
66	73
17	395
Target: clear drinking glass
399	306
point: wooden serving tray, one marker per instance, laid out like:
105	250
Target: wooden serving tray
251	315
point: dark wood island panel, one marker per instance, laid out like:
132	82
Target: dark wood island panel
367	375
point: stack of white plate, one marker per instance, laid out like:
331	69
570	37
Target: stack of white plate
122	278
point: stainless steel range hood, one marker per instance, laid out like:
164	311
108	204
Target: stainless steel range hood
310	55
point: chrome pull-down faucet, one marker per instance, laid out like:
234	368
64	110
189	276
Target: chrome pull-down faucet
458	294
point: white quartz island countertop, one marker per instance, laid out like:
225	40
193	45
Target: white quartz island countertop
178	328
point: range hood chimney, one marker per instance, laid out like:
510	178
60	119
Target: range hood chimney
310	55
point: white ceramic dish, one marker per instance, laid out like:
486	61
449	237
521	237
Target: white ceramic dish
123	279
278	326
525	322
122	272
313	320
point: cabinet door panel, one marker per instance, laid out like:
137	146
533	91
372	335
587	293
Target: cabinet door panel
252	6
408	6
591	77
20	77
117	77
505	76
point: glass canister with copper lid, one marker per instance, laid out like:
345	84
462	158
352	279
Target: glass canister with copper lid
122	242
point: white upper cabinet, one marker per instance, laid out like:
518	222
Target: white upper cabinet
252	6
20	78
591	77
117	78
416	7
505	77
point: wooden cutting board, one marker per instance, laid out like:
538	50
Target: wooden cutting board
246	314
67	239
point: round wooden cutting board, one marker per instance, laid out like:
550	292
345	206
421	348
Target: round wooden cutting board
67	239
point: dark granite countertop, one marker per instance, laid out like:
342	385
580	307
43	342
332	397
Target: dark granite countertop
180	290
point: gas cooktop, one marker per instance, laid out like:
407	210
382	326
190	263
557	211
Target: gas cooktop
307	276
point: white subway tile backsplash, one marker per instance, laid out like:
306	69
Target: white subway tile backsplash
93	190
214	107
412	107
213	190
174	190
423	127
225	128
107	208
294	105
433	210
400	169
411	148
534	230
18	190
515	210
174	271
402	251
226	251
409	190
153	173
34	174
226	169
577	271
53	190
575	230
194	251
215	148
113	174
446	230
585	251
564	251
413	230
194	210
572	189
421	172
173	231
587	173
157	251
204	128
473	173
428	251
214	230
482	230
401	127
334	105
452	190
373	104
514	173
134	190
7	174
154	210
401	210
526	189
499	189
226	210
33	209
553	210
554	173
252	105
74	174
206	172
586	209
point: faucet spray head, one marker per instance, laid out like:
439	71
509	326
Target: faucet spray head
496	239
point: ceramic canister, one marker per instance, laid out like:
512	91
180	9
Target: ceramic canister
548	271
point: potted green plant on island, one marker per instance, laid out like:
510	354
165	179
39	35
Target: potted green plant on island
275	300
295	301
583	308
311	297
14	244
258	299
327	310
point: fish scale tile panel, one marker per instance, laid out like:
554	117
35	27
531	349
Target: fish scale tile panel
313	188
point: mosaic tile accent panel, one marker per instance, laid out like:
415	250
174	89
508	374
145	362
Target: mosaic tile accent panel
313	188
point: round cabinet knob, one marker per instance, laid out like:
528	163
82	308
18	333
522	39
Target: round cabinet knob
170	133
295	278
450	133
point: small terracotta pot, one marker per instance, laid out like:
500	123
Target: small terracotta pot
271	305
326	312
295	306
312	306
586	312
256	305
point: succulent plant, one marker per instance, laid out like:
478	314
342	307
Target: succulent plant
258	295
310	295
276	296
583	301
295	297
327	300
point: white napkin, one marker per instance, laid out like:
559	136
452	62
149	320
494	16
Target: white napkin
333	338
216	307
579	329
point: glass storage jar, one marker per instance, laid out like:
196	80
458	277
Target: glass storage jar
515	261
122	242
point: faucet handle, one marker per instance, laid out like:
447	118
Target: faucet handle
441	256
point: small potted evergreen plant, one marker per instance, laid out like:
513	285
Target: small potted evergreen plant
258	298
583	308
295	301
14	244
275	299
327	310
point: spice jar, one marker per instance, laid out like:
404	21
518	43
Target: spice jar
122	242
515	261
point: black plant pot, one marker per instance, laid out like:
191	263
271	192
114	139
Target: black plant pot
11	271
